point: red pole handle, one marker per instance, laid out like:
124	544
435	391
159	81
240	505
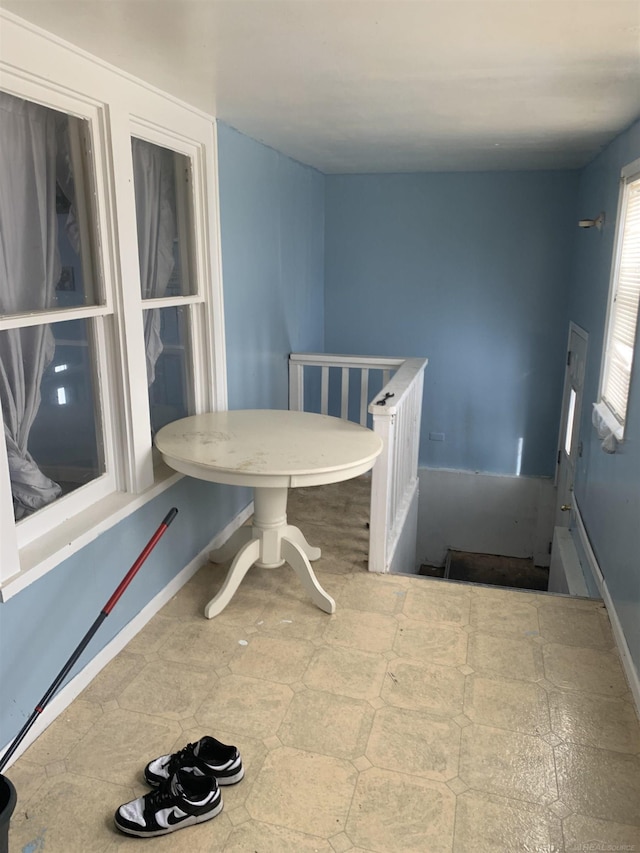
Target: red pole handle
151	544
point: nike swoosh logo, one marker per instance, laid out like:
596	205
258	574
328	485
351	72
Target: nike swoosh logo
173	818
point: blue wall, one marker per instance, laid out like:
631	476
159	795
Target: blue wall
272	222
272	214
472	271
608	485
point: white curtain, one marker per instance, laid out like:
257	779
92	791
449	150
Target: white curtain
29	272
153	172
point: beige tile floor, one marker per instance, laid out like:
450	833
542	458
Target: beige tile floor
423	717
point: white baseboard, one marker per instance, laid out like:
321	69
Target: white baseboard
72	690
565	572
618	634
484	513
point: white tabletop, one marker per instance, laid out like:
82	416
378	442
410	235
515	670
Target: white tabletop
268	447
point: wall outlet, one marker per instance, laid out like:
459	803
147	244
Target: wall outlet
436	436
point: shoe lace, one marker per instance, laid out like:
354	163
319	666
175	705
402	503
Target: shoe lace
162	795
178	759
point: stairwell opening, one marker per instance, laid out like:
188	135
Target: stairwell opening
492	569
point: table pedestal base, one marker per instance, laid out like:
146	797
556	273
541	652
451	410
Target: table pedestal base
268	543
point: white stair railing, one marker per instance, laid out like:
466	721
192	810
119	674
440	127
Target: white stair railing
394	487
395	413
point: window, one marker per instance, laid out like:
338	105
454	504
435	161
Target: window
164	205
623	306
111	320
54	318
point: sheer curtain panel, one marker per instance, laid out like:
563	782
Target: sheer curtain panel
155	215
29	270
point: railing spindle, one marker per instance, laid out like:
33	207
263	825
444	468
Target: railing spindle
344	402
364	395
324	391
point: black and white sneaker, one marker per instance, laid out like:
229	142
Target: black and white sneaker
181	801
207	757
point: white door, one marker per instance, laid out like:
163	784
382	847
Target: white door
569	444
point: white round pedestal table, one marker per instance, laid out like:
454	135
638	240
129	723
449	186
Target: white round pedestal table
271	450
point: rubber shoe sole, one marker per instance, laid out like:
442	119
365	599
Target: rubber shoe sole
190	820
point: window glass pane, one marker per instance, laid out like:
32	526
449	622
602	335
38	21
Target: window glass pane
46	254
50	410
163	211
168	365
568	436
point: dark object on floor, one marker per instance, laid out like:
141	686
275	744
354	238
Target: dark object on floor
209	757
515	572
7	805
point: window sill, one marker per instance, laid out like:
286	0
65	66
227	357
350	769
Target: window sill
611	422
43	554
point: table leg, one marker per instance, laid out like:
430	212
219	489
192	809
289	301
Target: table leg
296	535
297	559
244	559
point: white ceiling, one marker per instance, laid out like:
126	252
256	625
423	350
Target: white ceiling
382	85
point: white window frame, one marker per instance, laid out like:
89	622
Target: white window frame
615	421
197	258
42	68
101	315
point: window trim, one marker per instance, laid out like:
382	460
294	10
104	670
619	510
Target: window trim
193	303
628	175
97	315
82	86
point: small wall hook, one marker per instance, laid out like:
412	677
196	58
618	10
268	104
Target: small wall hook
598	222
